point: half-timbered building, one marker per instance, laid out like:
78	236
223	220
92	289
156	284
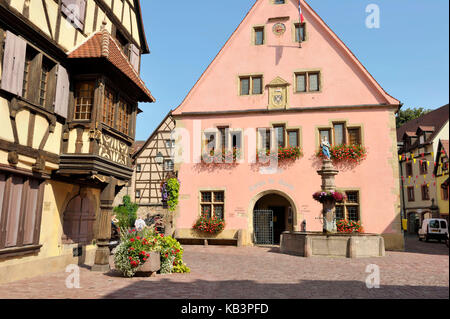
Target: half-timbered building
153	164
69	94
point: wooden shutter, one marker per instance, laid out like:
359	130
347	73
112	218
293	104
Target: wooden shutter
13	64
62	92
31	212
15	202
134	57
2	193
34	79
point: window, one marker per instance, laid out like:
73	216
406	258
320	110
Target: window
212	204
251	85
354	136
84	99
279	1
265	139
339	137
307	82
444	191
138	168
423	167
279	131
409	169
123	117
75	12
300	32
258	35
108	107
168	165
44	82
411	195
223	138
325	133
138	193
29	57
257	85
425	192
170	143
123	43
313	82
21	200
236	140
301	82
349	210
293	138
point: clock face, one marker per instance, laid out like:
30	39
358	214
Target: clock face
279	28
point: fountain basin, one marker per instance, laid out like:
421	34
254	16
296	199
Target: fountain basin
309	244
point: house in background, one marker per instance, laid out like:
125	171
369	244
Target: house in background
420	139
69	94
266	91
441	172
153	163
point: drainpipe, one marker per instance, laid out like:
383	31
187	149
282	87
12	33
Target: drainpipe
402	210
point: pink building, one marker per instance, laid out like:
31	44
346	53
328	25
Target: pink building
266	89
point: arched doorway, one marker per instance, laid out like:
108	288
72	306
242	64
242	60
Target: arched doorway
79	219
273	213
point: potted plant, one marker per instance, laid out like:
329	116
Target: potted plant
209	225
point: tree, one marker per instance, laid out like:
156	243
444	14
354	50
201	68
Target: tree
126	213
409	114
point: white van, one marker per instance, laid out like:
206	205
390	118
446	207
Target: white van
434	228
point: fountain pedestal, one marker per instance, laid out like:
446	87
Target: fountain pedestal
328	172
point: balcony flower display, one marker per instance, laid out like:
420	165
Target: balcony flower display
284	153
346	153
229	156
322	197
209	225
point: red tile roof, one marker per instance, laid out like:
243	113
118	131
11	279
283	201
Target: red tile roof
435	119
102	44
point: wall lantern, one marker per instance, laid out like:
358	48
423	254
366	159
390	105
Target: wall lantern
159	158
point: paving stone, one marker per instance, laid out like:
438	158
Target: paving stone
422	271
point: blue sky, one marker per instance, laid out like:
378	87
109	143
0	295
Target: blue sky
408	55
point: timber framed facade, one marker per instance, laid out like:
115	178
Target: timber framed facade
153	164
69	94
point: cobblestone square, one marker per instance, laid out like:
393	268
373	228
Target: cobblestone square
422	271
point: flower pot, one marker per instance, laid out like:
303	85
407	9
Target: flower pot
151	266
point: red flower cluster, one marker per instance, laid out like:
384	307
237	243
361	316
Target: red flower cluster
346	153
209	225
348	227
289	153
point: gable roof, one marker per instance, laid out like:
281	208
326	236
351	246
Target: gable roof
310	14
102	45
442	148
140	22
138	150
436	119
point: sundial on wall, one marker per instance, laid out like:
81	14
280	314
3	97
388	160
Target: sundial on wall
279	29
278	94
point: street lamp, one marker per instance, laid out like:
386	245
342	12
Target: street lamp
159	158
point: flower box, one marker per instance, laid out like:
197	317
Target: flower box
346	153
151	265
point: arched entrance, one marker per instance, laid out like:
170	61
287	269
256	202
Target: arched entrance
79	219
273	213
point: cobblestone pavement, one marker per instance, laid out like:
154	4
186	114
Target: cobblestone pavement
261	272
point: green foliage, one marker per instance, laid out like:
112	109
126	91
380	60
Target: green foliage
126	213
409	114
171	191
135	247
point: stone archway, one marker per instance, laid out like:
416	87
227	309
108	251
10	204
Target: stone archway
284	212
78	220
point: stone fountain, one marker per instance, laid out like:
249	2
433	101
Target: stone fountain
329	242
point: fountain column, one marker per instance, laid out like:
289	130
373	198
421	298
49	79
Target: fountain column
328	172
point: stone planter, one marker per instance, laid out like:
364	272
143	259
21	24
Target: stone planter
151	266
